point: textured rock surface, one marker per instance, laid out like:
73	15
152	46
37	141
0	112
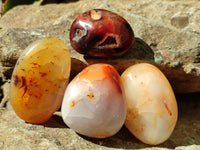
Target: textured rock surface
16	134
167	35
169	29
5	93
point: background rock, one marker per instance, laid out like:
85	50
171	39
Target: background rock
180	21
167	35
171	33
54	134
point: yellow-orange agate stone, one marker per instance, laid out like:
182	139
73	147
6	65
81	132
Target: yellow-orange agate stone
152	110
39	80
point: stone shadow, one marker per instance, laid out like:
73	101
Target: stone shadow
1	90
55	121
58	1
140	50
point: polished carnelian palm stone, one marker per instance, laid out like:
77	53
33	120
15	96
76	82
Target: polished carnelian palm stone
101	33
39	80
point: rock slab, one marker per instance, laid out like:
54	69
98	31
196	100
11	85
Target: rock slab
55	135
168	36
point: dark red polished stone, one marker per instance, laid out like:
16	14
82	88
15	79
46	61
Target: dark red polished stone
101	33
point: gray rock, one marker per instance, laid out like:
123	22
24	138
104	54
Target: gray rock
175	52
167	35
17	134
180	21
